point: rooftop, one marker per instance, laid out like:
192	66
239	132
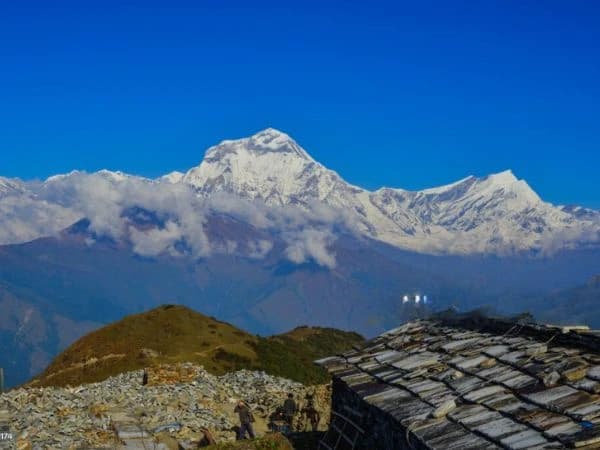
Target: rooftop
476	382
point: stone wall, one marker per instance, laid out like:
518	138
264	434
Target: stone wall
381	430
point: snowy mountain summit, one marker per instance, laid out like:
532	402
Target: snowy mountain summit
497	214
269	166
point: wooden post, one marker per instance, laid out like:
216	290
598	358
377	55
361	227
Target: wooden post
1	380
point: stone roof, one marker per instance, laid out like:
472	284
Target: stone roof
481	383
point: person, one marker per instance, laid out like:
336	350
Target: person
246	419
275	418
310	411
290	409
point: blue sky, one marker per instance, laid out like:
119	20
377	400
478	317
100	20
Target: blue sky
385	93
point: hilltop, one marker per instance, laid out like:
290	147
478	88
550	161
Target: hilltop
171	334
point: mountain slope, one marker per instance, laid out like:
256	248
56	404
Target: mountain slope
578	305
31	331
66	277
72	287
172	333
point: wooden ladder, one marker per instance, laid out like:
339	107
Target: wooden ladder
342	433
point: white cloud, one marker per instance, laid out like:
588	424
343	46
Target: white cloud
259	249
155	241
23	218
310	244
307	232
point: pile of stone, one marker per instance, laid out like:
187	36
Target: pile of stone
174	408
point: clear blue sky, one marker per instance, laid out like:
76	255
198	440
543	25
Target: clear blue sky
394	94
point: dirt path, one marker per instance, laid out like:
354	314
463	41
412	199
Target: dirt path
89	362
205	352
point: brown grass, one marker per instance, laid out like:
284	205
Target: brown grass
172	334
175	333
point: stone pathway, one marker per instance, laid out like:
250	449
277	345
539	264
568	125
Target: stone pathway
133	437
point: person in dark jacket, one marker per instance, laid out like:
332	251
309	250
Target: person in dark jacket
290	409
246	420
310	412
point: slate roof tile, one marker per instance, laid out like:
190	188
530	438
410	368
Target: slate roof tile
509	385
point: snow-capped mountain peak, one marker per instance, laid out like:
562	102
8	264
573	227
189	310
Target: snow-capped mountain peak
472	215
272	140
268	141
505	177
268	165
508	183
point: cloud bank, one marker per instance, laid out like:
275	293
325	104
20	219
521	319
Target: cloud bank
161	217
169	218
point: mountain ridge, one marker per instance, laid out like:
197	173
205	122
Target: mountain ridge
497	214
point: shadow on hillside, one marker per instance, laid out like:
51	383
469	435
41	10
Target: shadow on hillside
307	440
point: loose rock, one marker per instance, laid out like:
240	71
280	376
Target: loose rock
181	401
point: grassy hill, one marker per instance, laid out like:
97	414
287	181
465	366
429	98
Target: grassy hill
173	333
291	354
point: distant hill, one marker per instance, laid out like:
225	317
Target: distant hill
577	305
174	333
31	331
291	354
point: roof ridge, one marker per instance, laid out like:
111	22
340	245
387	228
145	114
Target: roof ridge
574	336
